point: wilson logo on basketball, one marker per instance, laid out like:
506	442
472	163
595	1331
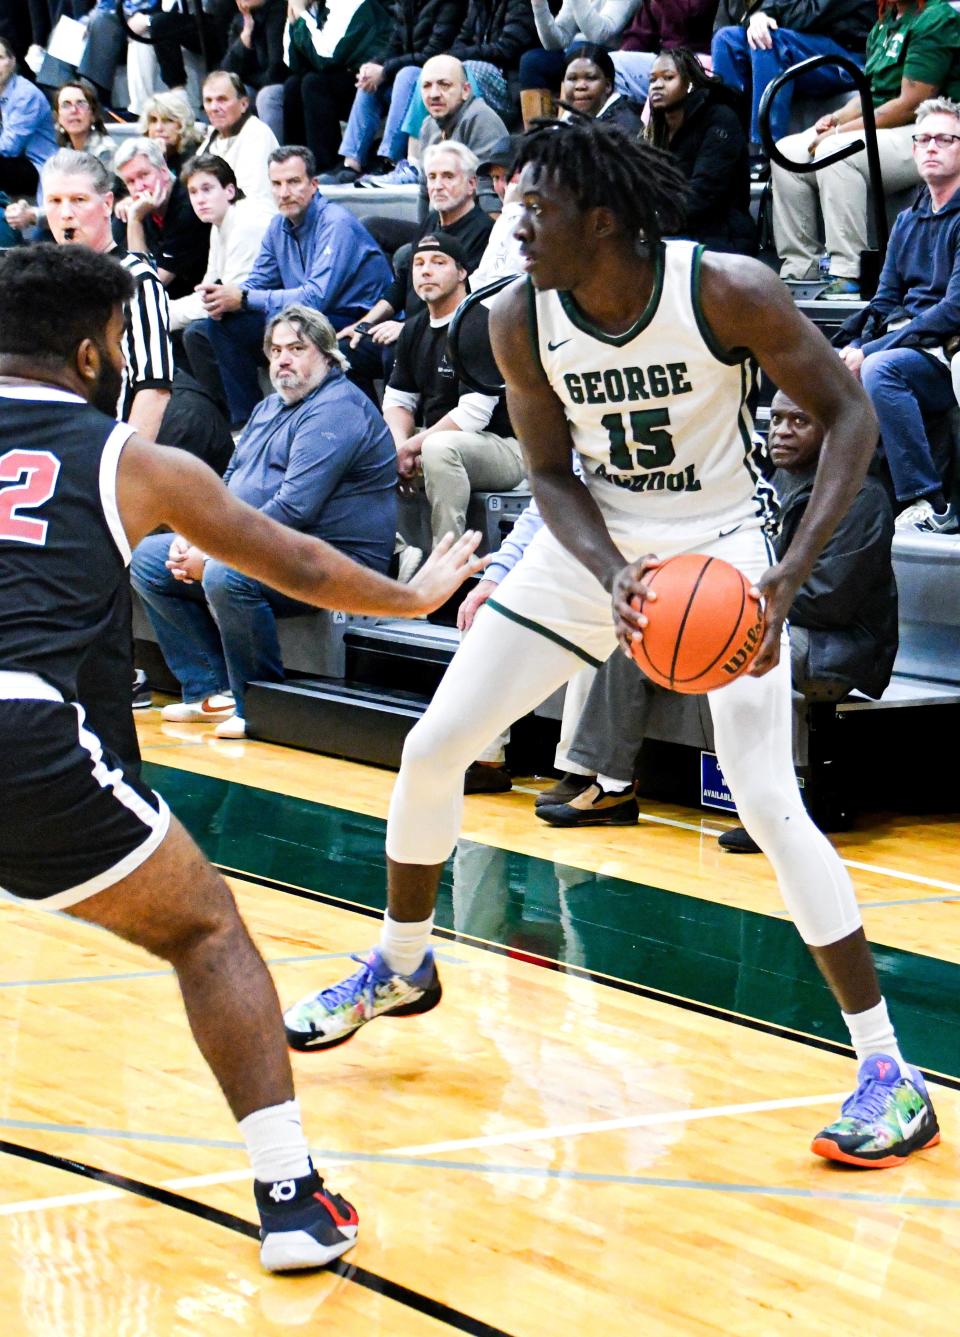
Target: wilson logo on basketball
741	658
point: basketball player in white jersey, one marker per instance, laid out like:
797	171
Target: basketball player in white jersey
639	354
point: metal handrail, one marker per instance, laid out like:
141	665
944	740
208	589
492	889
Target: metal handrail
817	164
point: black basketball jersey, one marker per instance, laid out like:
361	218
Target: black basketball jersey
63	550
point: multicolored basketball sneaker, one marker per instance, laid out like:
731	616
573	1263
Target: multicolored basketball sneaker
888	1116
303	1224
328	1018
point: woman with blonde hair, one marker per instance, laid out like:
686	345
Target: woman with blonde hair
168	116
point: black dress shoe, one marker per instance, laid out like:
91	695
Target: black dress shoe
593	807
738	842
566	788
482	778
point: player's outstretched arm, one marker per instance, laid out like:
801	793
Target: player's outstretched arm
542	430
747	307
157	485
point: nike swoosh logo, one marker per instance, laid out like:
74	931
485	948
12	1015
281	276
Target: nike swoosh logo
909	1127
725	533
553	347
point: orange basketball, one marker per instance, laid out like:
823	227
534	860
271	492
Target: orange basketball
703	628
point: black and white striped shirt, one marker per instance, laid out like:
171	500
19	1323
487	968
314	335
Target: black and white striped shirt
147	351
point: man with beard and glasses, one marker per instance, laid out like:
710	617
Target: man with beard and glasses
317	457
79	832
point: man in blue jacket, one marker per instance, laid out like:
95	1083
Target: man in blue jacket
27	139
314	253
909	329
316	456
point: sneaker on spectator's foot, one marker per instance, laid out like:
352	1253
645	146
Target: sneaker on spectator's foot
593	807
234	726
566	788
339	176
142	697
328	1018
736	841
839	290
303	1224
921	516
888	1116
211	710
759	167
404	174
485	777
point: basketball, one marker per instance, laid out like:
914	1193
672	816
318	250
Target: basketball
703	628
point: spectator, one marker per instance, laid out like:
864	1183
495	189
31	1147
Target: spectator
27	136
174	26
494	35
693	117
314	254
255	54
450	169
237	226
168	118
237	135
78	123
661	25
913	53
781	33
106	42
316	456
324	45
459	441
502	255
597	21
843	635
899	351
160	220
454	113
390	86
588	88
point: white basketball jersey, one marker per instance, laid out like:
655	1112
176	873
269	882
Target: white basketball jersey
658	414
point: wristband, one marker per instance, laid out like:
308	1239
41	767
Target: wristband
361	327
244	300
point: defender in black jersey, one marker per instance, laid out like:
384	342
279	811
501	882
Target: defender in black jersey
77	832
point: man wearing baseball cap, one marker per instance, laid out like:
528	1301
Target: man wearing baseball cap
456	440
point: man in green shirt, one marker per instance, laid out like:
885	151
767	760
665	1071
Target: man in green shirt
913	53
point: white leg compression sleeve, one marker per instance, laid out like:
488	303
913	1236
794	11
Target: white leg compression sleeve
752	730
500	672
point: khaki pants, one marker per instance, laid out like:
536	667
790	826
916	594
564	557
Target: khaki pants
841	191
458	463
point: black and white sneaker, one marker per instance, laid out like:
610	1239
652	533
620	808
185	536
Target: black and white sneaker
303	1224
141	696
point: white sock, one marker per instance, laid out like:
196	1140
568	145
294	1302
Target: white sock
403	946
275	1142
611	786
872	1033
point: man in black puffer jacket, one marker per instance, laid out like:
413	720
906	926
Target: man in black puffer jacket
391	86
494	36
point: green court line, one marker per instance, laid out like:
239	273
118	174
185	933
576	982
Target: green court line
743	962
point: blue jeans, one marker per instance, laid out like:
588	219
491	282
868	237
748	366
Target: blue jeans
905	385
237	342
217	634
747	70
366	114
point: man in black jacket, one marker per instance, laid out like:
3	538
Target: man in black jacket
780	33
494	36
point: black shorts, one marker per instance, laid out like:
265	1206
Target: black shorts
72	822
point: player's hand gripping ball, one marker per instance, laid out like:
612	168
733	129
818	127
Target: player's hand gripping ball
703	629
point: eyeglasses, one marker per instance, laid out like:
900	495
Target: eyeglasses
73	106
941	141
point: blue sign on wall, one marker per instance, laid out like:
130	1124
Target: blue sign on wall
713	787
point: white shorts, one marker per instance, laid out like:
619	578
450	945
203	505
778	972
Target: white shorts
553	593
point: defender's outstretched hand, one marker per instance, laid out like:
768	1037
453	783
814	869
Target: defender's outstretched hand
445	570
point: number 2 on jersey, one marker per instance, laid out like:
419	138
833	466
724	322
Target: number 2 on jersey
654	446
27	479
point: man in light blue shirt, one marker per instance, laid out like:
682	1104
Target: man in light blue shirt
27	138
314	254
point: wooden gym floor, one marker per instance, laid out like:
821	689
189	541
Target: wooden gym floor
603	1128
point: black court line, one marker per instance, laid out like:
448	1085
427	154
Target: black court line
549	963
392	1290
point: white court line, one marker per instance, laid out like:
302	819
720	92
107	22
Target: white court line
701	829
520	1137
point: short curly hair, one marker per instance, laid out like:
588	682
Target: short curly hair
54	297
